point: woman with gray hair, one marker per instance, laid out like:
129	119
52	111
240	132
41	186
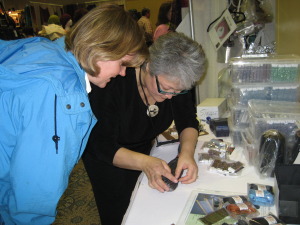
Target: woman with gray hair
133	111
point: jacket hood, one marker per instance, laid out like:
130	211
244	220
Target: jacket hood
24	59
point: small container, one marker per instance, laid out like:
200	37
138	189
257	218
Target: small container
238	210
250	147
242	93
226	167
239	116
235	132
272	69
278	115
266	220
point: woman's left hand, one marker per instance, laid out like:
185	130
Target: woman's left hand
187	162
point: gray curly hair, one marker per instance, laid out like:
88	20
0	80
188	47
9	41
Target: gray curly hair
177	57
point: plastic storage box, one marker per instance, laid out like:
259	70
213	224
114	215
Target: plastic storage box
281	116
239	116
273	69
235	132
250	147
242	93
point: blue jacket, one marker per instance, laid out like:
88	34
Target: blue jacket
45	121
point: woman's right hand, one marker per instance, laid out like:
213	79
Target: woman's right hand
154	168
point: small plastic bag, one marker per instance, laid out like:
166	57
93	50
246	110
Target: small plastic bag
226	167
211	155
271	152
206	158
261	195
215	217
218	147
266	220
238	210
235	199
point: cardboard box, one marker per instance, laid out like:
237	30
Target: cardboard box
211	107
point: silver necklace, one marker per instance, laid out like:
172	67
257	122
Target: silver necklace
152	110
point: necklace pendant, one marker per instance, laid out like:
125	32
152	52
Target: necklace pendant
152	110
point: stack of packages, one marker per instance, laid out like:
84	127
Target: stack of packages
265	109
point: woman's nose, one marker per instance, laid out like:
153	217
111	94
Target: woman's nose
169	96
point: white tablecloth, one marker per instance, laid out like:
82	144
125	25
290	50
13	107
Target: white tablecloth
150	207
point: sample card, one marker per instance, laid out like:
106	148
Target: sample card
199	205
209	205
222	29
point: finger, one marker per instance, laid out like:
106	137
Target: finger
160	185
151	185
178	172
166	166
170	177
163	185
189	177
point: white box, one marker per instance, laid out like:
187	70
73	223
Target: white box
211	107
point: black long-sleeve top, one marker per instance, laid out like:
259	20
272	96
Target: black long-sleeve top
123	121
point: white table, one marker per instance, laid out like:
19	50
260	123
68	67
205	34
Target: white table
150	207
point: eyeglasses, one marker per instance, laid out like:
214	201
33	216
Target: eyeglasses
168	93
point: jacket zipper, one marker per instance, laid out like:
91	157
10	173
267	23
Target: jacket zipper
55	138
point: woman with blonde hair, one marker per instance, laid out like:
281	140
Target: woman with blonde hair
46	117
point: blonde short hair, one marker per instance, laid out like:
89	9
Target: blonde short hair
106	33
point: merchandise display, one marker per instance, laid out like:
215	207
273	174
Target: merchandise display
272	69
219	127
215	149
242	209
264	115
218	147
264	134
226	167
206	158
266	220
295	150
214	208
277	115
205	201
239	116
235	133
249	147
242	93
271	152
265	95
261	195
235	199
215	216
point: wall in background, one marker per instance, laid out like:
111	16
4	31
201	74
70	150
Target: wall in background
16	4
288	27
